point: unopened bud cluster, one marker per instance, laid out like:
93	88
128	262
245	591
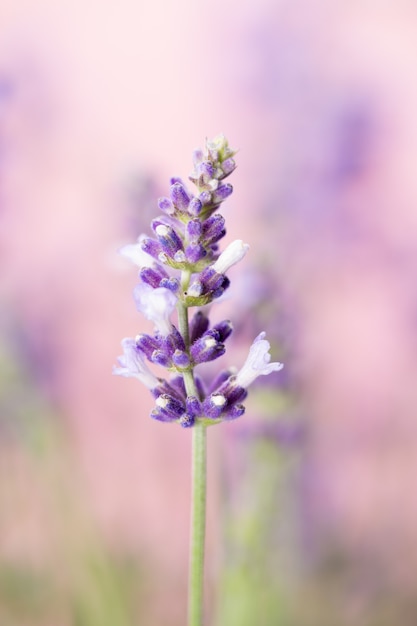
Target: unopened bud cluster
181	267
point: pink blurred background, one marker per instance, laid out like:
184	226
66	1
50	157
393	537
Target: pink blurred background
100	103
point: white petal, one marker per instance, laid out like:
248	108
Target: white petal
257	362
156	305
234	253
132	365
135	253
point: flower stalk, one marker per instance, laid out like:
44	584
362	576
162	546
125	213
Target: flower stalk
198	526
181	267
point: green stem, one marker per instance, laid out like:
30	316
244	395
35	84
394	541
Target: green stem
198	527
199	485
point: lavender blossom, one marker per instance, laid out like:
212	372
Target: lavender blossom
132	364
181	267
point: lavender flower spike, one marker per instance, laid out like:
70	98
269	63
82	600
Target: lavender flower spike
257	363
132	364
234	253
156	305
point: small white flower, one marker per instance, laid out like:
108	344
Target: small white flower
257	362
132	364
156	305
234	253
135	253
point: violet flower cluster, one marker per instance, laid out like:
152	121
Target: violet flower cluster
181	267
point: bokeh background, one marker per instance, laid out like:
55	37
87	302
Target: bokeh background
312	515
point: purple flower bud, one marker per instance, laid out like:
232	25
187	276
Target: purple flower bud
221	378
222	192
172	284
186	420
234	412
179	196
214	405
168	388
198	325
153	275
159	357
213	229
166	205
195	206
181	359
206	169
200	386
195	252
205	197
170	241
232	391
224	328
146	344
193	406
210	282
207	348
167	408
194	229
177	383
152	247
228	166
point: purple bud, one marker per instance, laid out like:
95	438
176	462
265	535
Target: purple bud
170	241
222	192
172	284
210	282
194	229
220	379
168	388
167	408
181	359
234	412
232	391
207	170
207	348
205	197
214	405
200	386
178	384
179	196
173	341
186	421
147	344
166	205
198	325
193	406
195	206
152	247
228	166
153	275
213	229
224	329
160	358
195	252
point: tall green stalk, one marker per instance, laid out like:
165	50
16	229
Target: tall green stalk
199	485
198	527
